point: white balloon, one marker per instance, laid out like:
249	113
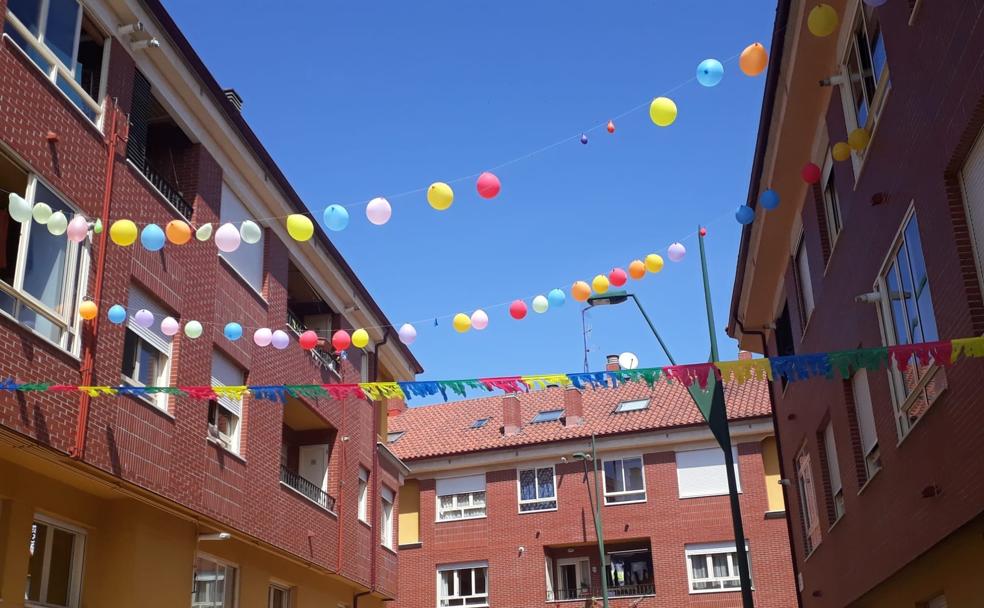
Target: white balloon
19	209
57	223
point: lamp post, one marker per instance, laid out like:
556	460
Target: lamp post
596	509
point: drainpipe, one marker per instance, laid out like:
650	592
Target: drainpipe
340	440
89	345
355	598
374	539
782	466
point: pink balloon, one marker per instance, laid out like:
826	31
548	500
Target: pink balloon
78	229
488	185
262	337
408	333
676	252
479	319
227	238
170	326
379	211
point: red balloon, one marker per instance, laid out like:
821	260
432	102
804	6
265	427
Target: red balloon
517	310
611	127
341	340
488	185
617	277
308	340
810	173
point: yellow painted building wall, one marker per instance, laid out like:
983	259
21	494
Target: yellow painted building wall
409	512
770	462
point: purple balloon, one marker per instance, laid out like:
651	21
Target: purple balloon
280	339
584	138
144	318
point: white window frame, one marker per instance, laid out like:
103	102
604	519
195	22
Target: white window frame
387	498
831	204
364	495
864	411
78	559
442	602
723	491
804	281
147	339
473	503
708	550
237	259
235	586
974	223
608	494
283	588
578	577
233	407
633	405
538	500
833	472
74	283
809	509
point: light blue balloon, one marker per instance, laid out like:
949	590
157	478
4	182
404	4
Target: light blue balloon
336	218
152	237
745	215
556	297
769	199
233	331
710	72
116	314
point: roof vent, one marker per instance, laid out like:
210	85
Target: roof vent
234	99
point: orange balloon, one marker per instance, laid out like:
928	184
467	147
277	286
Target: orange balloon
88	310
581	291
178	232
637	269
753	59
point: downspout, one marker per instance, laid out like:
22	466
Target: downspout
375	463
355	598
89	344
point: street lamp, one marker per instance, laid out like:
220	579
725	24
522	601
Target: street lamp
596	509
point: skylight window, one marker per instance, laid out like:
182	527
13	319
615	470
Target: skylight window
632	406
548	416
394	436
479	423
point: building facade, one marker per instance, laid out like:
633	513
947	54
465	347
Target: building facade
161	500
498	507
886	490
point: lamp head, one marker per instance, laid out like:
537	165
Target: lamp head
581	456
608	298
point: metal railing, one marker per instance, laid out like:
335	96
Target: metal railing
167	190
322	357
585	592
306	488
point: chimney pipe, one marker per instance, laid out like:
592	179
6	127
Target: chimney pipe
573	407
611	363
511	416
234	99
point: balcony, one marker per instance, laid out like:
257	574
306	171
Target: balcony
165	188
594	593
573	573
307	310
321	355
304	487
306	448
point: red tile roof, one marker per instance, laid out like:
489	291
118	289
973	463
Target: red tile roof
443	429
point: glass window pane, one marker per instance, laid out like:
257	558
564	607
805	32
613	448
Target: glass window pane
465	581
35	568
633	474
62	28
27	11
896	298
613	476
698	566
527	485
29	318
545	483
447	583
920	282
60	567
480	586
44	274
720	564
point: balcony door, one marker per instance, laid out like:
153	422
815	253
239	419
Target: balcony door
574	577
313	464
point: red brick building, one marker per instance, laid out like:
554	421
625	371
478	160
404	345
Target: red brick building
497	509
887	477
105	110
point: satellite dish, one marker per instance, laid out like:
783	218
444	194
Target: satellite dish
628	361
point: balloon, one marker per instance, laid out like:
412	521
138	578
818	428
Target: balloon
617	277
152	237
753	60
461	322
336	218
810	173
78	229
676	251
769	199
123	232
584	138
360	338
517	310
822	20
227	238
600	283
654	262
250	232
88	310
841	151
858	139
745	215
408	333
556	297
440	196
300	227
663	111
41	213
340	340
204	232
637	269
540	304
262	336
144	318
611	127
19	209
116	314
580	291
479	319
193	329
178	232
280	339
170	326
710	72
57	223
488	185
232	331
308	340
379	211
97	227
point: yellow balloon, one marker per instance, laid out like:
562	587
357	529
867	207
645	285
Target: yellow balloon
654	262
663	111
461	322
360	338
822	20
600	284
858	139
300	227
841	151
440	196
123	232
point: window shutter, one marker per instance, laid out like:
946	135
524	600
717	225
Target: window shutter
833	467
973	186
702	472
136	143
226	373
138	299
461	485
387	494
862	405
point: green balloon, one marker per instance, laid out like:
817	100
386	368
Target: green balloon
250	232
41	213
193	329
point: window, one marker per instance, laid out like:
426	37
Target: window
386	517
54	571
831	203
804	282
808	501
784	333
146	350
630	572
907	318
247	260
363	494
461	497
624	480
536	490
702	472
972	180
833	471
866	423
866	71
573	579
547	416
65	44
713	567
42	276
214	585
278	597
394	436
225	412
632	406
479	423
463	585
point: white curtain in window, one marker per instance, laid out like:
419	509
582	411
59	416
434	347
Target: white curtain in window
248	259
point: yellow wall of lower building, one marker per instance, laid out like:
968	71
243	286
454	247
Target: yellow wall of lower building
770	461
409	512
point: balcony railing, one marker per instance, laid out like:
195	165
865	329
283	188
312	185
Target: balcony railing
322	357
585	592
166	189
306	488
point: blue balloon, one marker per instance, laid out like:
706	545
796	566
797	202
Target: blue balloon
116	314
233	331
336	217
152	237
556	297
769	199
745	215
710	72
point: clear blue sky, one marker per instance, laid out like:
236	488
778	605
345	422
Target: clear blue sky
362	99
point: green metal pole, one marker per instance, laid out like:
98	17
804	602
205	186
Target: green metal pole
597	519
666	351
702	232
